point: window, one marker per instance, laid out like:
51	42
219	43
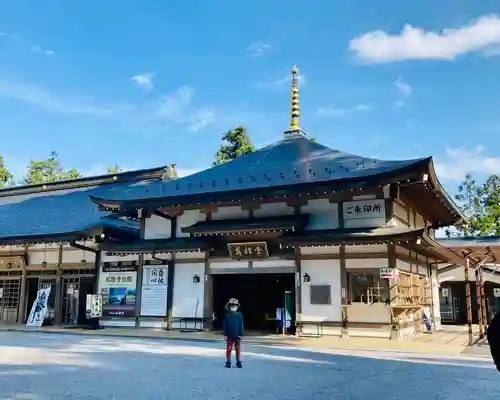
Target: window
320	294
366	286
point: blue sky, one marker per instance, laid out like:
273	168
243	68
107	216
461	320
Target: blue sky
144	84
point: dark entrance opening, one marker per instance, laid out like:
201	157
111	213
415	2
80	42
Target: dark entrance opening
259	296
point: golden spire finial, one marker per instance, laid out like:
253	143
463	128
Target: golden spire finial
295	104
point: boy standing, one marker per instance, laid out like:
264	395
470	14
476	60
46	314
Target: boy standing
232	326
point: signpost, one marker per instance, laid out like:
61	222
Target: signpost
387	273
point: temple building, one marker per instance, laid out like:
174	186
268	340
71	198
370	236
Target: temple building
311	240
344	243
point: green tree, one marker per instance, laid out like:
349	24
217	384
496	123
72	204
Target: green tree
480	202
235	143
5	175
48	170
115	169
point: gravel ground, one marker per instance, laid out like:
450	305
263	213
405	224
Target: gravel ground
63	366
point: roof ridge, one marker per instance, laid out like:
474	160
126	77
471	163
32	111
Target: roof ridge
96	180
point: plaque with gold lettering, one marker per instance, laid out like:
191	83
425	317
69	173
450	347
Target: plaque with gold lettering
246	251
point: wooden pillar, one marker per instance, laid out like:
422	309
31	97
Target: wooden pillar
468	300
431	288
138	296
170	291
486	313
344	295
21	313
479	304
298	291
59	289
393	289
208	310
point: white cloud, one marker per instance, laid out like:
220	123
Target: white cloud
404	88
282	82
176	108
39	50
335	112
49	101
144	81
258	48
399	103
415	43
457	162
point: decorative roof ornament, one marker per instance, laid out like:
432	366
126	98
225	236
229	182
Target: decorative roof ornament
294	129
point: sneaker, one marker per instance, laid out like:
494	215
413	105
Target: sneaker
228	364
239	364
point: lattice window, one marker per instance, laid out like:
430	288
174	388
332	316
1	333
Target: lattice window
9	300
70	296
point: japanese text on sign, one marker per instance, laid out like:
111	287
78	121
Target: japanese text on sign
248	250
155	276
118	278
386	273
364	209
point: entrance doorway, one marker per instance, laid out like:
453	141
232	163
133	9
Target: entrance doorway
260	295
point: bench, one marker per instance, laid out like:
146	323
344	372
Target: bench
193	321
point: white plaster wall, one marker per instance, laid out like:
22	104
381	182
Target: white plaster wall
367	263
234	212
109	258
370	248
38	257
320	250
188	296
229	267
322	272
157	228
323	214
274	264
456	274
190	255
273	210
73	256
189	218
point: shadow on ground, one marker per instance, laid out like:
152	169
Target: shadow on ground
68	367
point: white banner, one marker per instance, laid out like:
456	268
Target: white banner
39	308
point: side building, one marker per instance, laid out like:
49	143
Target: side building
48	237
344	244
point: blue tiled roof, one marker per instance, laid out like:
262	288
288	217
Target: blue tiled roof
291	161
60	212
470	241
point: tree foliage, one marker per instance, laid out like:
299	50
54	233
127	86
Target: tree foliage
5	175
235	143
480	202
114	169
48	170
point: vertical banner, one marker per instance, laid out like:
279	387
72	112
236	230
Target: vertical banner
39	308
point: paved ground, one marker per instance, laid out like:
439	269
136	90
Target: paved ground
42	366
450	341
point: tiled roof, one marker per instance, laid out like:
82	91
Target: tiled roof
291	161
470	241
59	213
